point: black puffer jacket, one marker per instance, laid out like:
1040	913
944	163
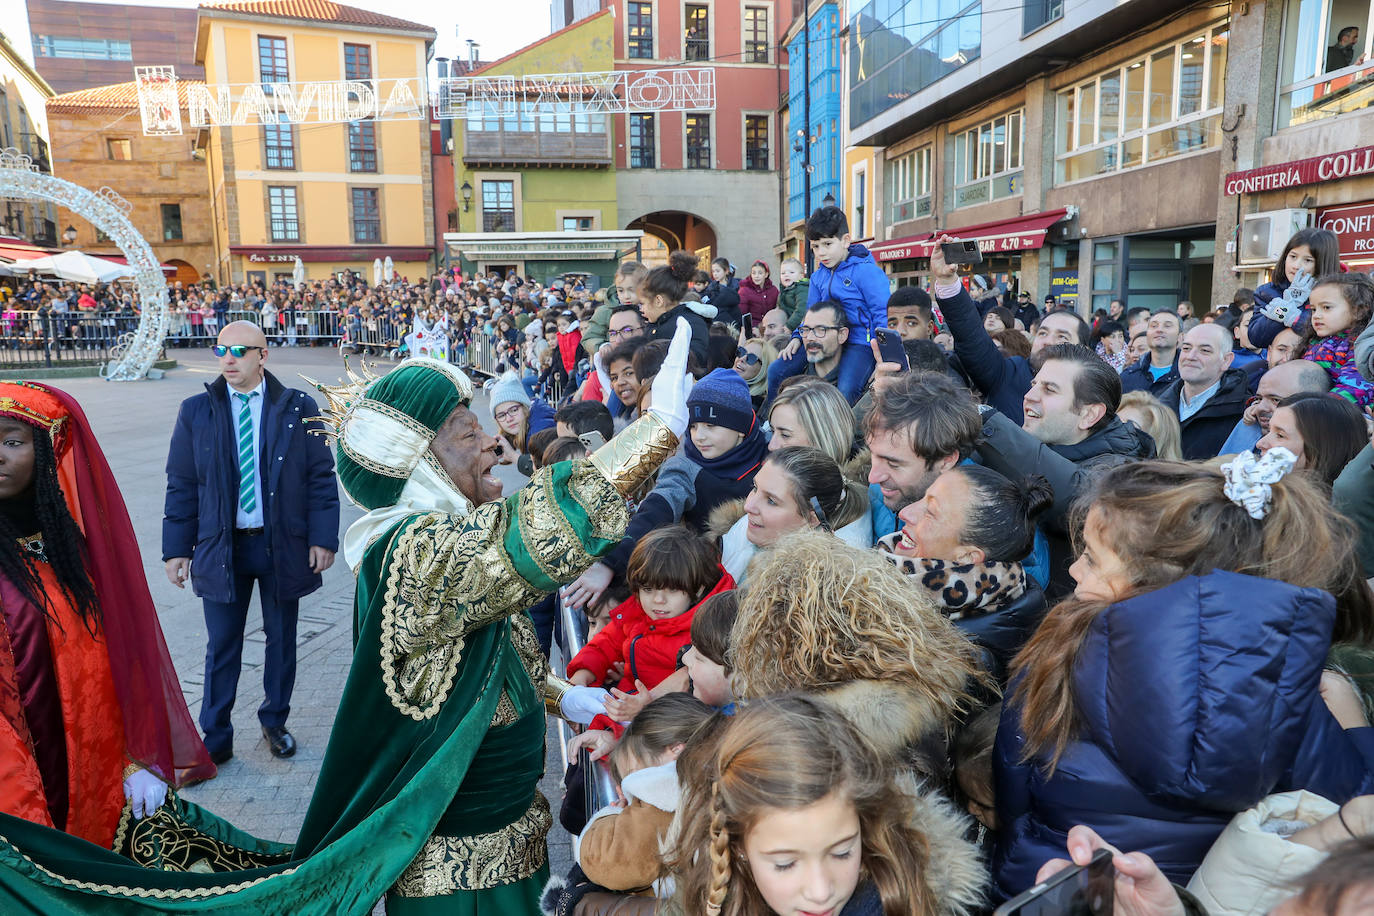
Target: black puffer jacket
1205	432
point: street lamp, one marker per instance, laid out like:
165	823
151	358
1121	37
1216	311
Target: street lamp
828	200
69	235
466	190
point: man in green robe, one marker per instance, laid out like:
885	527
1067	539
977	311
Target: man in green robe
428	790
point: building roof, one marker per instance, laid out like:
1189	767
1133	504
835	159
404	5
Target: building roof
315	11
118	97
483	68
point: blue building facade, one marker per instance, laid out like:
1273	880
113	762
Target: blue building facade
823	120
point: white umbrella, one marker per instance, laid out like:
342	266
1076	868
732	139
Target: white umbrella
78	267
5	270
376	271
298	272
388	271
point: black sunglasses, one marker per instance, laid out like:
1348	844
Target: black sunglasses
238	350
749	358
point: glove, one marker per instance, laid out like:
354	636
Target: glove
145	792
602	375
1286	310
582	704
668	394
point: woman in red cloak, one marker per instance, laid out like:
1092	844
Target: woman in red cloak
91	710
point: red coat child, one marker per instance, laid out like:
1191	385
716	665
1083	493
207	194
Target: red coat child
649	648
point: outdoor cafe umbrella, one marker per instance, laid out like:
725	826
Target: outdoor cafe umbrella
298	272
78	267
388	270
376	271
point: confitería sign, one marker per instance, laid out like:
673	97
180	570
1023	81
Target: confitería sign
1331	167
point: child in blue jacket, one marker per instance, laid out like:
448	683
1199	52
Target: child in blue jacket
846	273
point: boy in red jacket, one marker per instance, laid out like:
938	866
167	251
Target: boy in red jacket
670	573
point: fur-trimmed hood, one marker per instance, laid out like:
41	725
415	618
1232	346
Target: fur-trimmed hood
893	716
723	518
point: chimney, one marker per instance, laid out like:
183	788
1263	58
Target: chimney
473	55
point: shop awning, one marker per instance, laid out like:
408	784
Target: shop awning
1018	234
18	251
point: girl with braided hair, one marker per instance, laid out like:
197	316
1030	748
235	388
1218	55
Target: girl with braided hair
91	710
790	811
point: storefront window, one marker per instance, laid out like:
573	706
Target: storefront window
907	184
1324	69
1172	106
987	161
899	47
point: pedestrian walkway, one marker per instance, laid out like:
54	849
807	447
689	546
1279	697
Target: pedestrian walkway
256	791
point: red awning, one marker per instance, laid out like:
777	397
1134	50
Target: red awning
1018	234
18	251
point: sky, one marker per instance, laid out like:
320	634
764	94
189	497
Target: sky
499	27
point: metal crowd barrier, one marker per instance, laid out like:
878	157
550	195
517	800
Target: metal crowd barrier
299	327
599	784
47	338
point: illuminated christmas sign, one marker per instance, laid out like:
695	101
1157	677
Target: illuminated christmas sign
245	104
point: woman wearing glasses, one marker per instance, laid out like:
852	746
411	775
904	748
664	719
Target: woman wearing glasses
517	416
752	359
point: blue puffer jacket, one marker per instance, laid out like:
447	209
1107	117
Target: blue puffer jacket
1194	701
1262	330
858	284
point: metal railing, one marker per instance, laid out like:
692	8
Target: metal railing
599	784
47	338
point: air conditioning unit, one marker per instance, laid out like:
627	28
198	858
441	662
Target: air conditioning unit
1263	235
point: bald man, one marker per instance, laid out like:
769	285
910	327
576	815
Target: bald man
1209	396
1296	376
250	499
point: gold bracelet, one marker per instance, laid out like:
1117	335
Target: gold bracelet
555	688
132	768
632	457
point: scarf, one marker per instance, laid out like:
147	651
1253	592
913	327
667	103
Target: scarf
736	464
961	589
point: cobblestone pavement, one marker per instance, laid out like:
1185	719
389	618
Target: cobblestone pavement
265	796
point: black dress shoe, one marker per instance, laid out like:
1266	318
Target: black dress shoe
221	756
279	740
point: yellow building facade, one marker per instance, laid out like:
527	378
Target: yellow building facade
336	195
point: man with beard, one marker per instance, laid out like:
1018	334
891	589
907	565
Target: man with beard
824	331
1285	379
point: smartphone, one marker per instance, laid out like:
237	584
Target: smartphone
748	327
890	346
593	440
965	252
1079	890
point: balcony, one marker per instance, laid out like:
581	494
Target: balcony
542	141
36	148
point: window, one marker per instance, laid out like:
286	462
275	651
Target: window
1163	104
642	141
860	195
283	221
357	62
577	223
899	47
987	161
1324	63
121	149
171	222
698	32
698	128
279	146
755	35
362	146
82	48
907	186
1040	12
272	65
367	215
756	142
498	206
640	17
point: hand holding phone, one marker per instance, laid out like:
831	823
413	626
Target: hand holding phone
748	327
1078	890
890	347
962	252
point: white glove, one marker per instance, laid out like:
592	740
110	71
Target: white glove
668	394
582	704
145	792
1287	309
603	375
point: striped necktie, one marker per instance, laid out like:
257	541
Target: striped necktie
248	498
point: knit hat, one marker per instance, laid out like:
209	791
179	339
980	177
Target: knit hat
508	389
722	398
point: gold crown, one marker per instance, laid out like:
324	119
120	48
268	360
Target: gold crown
339	399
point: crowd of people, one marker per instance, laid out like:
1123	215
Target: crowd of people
897	601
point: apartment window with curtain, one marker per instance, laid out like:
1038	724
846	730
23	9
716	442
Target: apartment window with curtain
755	35
282	217
498	206
697	40
987	160
1163	104
906	182
1325	60
171	222
362	146
756	142
642	140
640	19
367	215
698	130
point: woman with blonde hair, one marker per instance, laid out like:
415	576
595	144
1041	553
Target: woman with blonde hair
1179	684
811	411
822	616
753	356
790	810
1149	413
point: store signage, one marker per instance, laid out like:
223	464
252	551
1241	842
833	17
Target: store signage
990	245
407	98
1331	167
1353	225
1064	285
